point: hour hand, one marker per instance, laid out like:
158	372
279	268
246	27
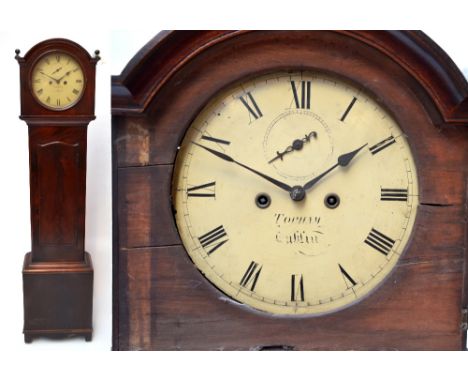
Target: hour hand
230	159
66	74
343	161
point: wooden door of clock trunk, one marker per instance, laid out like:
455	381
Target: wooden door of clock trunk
161	301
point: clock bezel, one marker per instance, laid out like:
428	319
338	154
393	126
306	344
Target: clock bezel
33	67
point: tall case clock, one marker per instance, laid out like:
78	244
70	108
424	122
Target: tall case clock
290	190
57	80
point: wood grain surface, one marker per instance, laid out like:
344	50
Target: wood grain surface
161	301
57	273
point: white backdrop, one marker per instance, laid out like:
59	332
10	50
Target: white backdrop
118	45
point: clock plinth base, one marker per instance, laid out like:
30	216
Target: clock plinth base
58	299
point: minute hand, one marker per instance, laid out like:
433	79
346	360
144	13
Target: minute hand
230	159
343	161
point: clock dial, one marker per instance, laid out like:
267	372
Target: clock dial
295	193
57	81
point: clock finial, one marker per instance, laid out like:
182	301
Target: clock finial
17	55
96	55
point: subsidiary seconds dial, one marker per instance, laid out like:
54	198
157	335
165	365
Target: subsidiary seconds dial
295	193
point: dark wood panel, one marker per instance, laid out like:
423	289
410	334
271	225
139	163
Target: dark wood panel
58	192
172	306
57	203
145	216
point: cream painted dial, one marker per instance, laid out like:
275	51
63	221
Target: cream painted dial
295	193
57	81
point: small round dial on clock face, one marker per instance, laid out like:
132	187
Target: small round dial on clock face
295	193
57	81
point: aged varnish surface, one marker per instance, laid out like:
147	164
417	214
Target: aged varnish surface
161	301
57	273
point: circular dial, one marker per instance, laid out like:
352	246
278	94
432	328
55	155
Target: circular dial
57	81
295	193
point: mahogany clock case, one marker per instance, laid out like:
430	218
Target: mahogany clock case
161	301
57	273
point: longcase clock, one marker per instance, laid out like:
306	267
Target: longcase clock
290	190
57	80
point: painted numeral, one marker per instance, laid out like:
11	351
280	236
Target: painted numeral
57	101
251	105
75	91
57	57
347	278
48	100
249	280
297	288
302	95
345	114
379	242
203	191
213	239
40	91
216	140
79	81
382	145
394	194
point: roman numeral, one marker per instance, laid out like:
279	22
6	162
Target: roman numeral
254	109
382	145
75	92
37	81
40	91
249	280
48	100
379	242
394	194
79	81
207	190
348	279
302	97
68	99
345	114
58	101
75	70
57	58
47	61
210	241
217	140
297	288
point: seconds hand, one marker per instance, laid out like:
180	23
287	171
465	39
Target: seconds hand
296	145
